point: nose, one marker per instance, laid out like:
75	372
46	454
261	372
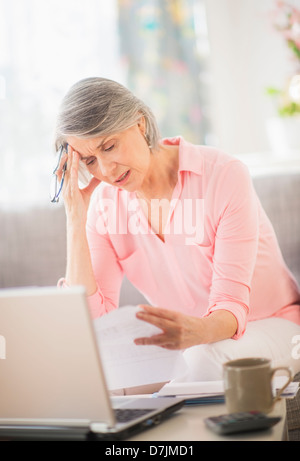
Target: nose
107	167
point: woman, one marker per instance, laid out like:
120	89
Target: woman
183	223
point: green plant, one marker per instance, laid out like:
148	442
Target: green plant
286	20
285	106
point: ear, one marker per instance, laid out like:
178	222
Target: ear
142	125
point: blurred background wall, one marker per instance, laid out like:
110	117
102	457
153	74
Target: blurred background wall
202	65
247	55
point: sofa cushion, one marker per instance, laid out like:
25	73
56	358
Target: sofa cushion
280	197
32	246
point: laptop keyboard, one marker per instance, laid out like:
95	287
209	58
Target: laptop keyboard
124	415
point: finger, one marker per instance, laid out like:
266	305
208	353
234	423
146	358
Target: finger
157	340
59	169
158	312
151	340
74	162
70	158
160	322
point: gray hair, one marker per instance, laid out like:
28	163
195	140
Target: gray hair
96	107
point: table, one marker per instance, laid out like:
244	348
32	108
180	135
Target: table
188	425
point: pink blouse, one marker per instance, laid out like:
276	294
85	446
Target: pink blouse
220	249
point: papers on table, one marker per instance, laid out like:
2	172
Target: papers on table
290	391
206	392
213	391
126	364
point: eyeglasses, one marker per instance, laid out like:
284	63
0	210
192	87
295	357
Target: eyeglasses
56	185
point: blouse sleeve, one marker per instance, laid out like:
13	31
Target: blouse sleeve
236	242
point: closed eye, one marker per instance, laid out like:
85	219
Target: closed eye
90	161
108	149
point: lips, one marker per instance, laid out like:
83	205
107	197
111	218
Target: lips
123	177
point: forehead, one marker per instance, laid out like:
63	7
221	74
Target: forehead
89	146
86	146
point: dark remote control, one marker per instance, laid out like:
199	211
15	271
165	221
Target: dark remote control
240	422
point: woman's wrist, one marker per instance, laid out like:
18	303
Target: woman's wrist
217	326
76	220
79	267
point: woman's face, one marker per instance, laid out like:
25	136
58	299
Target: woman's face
121	160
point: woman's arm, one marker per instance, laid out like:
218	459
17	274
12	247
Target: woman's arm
79	267
180	331
91	259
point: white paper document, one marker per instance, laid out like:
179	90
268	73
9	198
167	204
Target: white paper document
126	364
199	389
192	389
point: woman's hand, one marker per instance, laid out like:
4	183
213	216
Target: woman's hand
180	331
76	200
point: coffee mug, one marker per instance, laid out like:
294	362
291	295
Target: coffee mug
248	384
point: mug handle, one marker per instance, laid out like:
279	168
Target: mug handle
290	377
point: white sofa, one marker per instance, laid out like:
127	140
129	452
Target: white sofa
33	242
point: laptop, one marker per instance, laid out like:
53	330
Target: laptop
51	377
